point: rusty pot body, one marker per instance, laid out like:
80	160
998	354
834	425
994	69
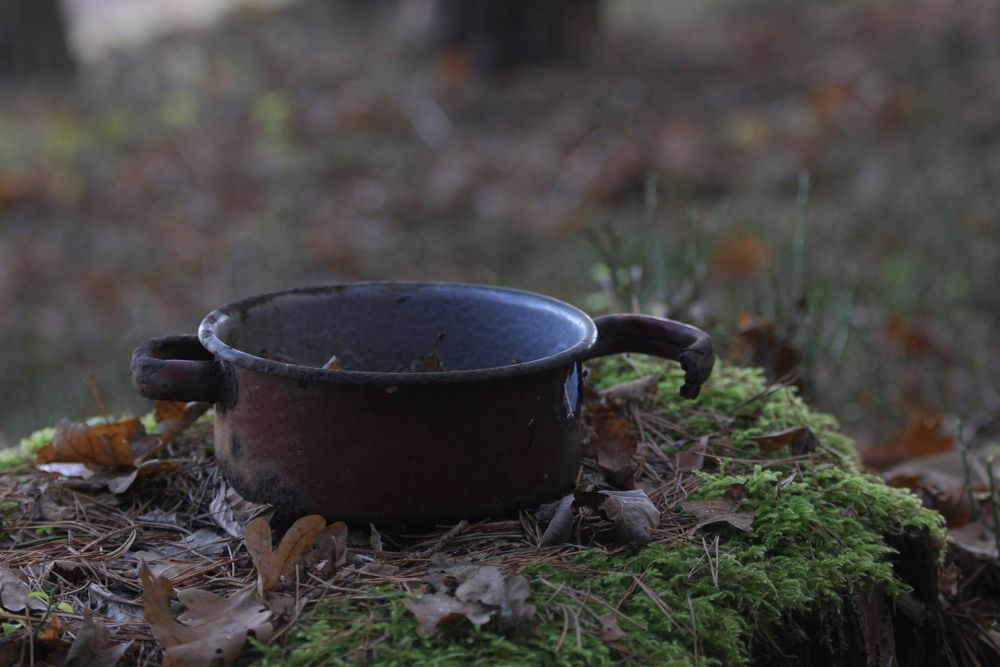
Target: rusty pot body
496	430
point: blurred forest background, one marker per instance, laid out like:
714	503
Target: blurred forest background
817	184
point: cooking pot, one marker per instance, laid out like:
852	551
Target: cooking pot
492	427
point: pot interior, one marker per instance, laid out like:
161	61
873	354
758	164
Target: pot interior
403	327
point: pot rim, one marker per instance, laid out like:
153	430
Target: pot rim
575	352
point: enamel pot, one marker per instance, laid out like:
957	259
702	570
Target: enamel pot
493	427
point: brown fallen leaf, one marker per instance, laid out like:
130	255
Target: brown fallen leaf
189	554
942	491
610	630
760	342
116	453
108	445
232	512
435	609
614	445
92	646
271	565
15	594
927	433
330	546
212	627
975	538
475	592
509	593
559	514
334	364
374	538
633	513
727	509
50	631
915	340
800	440
692	459
173	419
168	410
739	254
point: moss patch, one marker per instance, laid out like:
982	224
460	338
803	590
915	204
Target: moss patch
719	597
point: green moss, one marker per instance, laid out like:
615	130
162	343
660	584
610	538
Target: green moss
381	630
24	451
735	401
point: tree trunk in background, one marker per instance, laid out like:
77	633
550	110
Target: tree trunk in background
503	34
33	42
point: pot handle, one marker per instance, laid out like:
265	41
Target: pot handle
178	368
688	345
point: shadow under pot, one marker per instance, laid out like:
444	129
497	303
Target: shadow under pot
445	402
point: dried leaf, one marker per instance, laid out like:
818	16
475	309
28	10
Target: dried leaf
50	631
759	342
975	538
330	545
610	630
741	254
726	509
614	445
121	483
926	434
475	592
107	445
15	594
176	421
271	565
435	609
190	553
92	646
633	513
560	526
633	391
231	511
212	627
801	440
334	364
693	458
937	488
374	538
168	410
915	340
113	607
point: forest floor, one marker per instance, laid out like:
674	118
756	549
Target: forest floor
731	530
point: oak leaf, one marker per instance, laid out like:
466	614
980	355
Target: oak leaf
614	445
633	513
212	627
108	445
92	647
727	509
800	440
271	565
